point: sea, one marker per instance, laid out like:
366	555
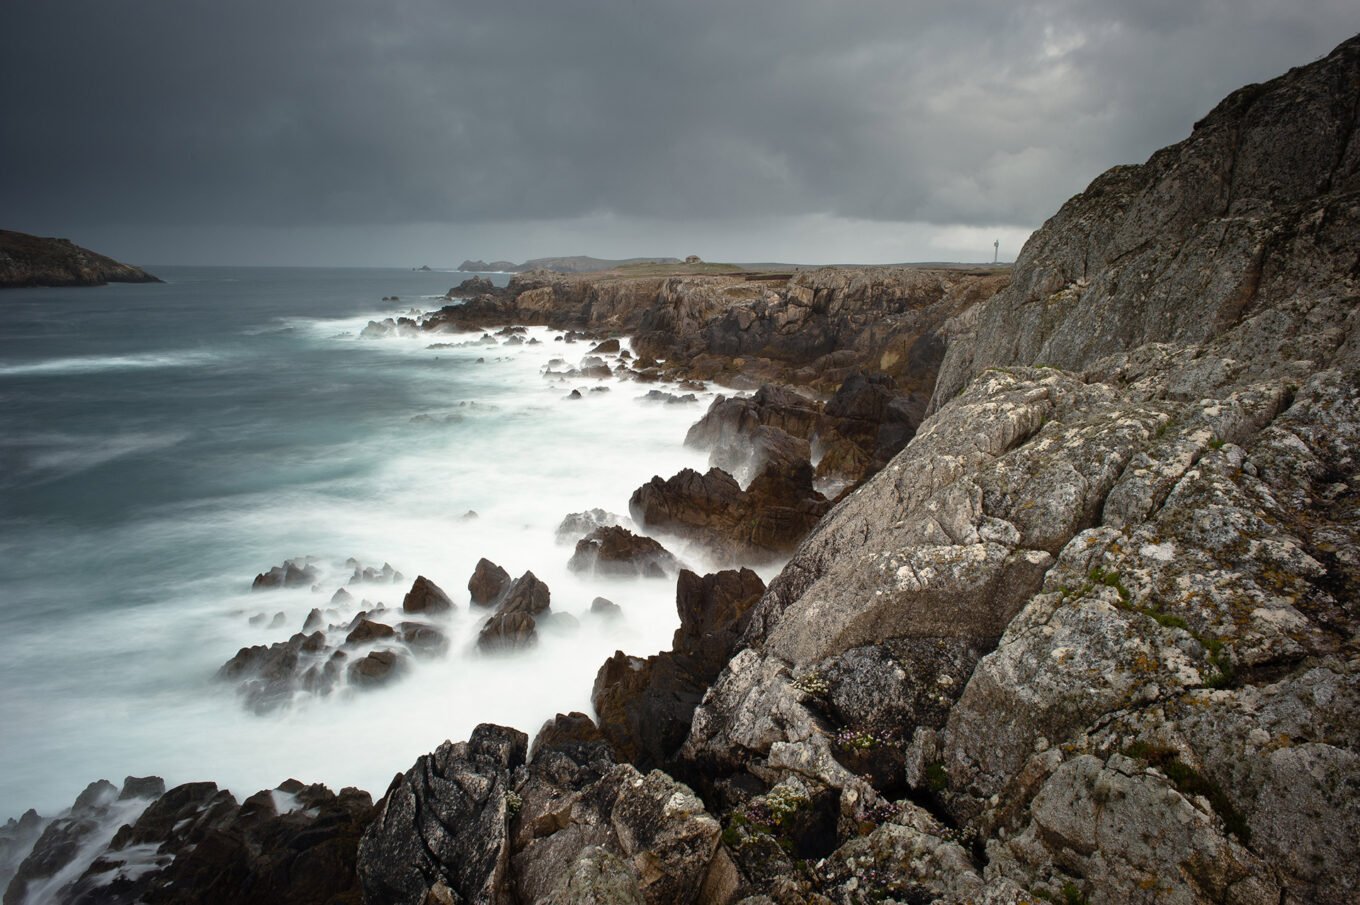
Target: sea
162	444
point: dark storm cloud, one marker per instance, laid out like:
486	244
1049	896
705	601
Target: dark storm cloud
346	112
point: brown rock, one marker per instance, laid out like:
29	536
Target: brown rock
487	583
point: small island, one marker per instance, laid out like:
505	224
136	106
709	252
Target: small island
36	261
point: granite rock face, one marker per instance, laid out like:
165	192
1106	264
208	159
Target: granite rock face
1100	615
34	261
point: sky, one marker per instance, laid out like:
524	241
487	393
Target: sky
411	132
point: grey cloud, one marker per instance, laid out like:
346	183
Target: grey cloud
315	113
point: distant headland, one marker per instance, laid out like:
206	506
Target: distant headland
36	261
574	264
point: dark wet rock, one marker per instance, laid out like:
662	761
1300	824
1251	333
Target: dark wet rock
488	582
668	398
473	286
866	423
62	841
426	597
645	705
314	621
341	597
279	621
295	844
422	638
770	517
528	594
608	347
617	551
442	829
294	573
601	606
367	631
731	420
574	394
578	524
370	575
378	667
508	631
141	787
17	838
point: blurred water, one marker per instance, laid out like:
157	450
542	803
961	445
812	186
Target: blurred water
162	444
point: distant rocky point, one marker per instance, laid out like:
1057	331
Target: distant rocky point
576	264
35	261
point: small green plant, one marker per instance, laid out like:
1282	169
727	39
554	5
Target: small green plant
1216	443
1224	672
1110	579
937	778
812	683
1072	895
513	802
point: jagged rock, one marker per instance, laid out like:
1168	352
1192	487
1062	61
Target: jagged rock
865	424
487	583
378	667
445	821
770	517
645	705
618	551
578	524
294	573
366	631
608	347
528	594
426	597
1146	554
508	631
742	434
295	844
423	638
17	838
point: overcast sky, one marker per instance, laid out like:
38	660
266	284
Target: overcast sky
405	132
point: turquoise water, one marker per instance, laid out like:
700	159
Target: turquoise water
161	444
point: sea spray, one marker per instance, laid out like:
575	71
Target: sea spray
307	440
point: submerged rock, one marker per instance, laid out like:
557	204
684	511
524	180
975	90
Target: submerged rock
294	573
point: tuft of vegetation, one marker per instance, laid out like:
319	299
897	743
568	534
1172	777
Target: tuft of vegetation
937	778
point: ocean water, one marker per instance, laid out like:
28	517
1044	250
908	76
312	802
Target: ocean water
160	445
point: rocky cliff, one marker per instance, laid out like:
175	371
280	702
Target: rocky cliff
1090	637
33	261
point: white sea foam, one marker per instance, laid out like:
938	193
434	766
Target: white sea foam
90	364
132	691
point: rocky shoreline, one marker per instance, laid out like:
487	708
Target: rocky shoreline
34	261
1070	612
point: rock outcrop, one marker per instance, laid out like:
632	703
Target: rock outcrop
34	261
195	843
645	705
1100	614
